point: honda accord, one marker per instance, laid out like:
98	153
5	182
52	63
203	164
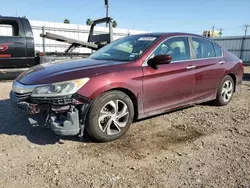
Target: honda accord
129	79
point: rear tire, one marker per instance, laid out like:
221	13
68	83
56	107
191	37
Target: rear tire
225	91
110	116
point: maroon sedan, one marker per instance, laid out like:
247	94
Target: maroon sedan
132	78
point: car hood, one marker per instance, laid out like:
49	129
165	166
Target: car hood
65	70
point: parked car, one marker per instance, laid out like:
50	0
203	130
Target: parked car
129	79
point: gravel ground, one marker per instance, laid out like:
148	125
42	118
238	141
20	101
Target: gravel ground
201	146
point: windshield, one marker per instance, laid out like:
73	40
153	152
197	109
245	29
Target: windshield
125	49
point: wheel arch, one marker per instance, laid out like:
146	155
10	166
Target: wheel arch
234	79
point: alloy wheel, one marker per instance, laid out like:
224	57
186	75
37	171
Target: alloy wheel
227	91
113	117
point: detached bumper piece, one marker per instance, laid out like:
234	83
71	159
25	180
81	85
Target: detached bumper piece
66	123
65	116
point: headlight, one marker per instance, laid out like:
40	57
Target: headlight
59	89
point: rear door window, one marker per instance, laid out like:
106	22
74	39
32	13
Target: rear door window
218	50
177	47
203	48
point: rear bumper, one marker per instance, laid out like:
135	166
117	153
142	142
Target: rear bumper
64	119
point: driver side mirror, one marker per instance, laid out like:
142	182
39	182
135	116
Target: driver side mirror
159	60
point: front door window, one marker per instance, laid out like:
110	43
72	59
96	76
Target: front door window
177	47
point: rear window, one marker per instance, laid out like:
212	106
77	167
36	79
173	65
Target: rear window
9	28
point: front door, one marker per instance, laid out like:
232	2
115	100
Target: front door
171	85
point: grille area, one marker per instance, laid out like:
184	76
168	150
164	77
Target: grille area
20	96
55	101
66	100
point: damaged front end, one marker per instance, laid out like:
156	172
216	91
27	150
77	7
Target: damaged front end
65	115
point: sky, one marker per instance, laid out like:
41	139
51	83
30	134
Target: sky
192	16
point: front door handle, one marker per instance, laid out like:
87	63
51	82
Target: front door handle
221	62
191	67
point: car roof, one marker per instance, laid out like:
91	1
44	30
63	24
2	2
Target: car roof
168	34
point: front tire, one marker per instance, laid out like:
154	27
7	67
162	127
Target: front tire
110	116
225	91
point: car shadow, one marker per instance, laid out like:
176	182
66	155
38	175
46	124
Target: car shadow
15	122
164	113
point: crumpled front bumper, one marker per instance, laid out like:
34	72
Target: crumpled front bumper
65	116
29	108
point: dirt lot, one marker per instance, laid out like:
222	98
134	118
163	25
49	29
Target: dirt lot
201	146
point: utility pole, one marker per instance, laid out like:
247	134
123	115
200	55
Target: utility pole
246	27
107	9
213	31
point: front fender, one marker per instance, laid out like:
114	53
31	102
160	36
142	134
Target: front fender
129	79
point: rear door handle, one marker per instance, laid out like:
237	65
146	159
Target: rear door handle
221	62
191	67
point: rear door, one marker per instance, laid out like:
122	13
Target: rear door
171	85
210	69
12	43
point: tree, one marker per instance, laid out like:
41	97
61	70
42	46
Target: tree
114	24
66	21
89	21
